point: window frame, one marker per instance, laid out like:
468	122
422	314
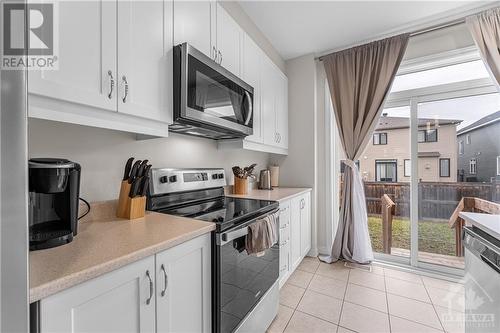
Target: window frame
404	167
498	165
467	139
449	168
379	135
388	161
426	135
473	165
461	147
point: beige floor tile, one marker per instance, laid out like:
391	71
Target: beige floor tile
290	295
344	330
327	286
443	284
413	310
406	276
399	325
304	323
361	319
279	323
366	279
321	306
379	270
371	298
452	321
334	271
447	299
309	264
300	278
407	289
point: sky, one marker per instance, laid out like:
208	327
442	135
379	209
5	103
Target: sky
467	109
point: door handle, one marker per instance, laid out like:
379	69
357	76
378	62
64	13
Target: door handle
151	286
164	291
250	108
111	84
124	80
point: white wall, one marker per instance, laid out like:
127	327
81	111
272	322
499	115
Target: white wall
102	153
298	169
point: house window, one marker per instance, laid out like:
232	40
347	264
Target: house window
467	139
498	165
427	135
444	167
407	168
380	138
472	166
386	171
461	147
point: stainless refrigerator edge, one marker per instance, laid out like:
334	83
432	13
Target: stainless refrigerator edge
14	283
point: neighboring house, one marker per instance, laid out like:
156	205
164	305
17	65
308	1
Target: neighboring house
387	155
479	150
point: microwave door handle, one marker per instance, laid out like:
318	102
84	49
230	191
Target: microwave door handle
250	108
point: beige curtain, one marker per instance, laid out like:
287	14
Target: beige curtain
485	29
359	80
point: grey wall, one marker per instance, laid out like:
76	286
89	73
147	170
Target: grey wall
102	153
484	147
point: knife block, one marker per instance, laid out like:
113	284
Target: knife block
130	208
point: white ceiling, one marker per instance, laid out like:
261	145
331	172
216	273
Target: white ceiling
296	28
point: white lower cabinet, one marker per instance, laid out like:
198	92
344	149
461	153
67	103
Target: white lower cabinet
140	297
183	293
295	233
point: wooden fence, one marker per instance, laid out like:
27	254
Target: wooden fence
436	200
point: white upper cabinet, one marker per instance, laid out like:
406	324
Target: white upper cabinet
269	82
86	59
282	111
144	68
120	301
193	23
229	40
252	56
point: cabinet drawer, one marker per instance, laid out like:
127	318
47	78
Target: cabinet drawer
284	259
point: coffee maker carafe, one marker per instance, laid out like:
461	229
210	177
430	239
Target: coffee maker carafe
54	190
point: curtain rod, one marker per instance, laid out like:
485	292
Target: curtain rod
416	32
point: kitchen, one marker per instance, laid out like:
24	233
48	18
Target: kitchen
167	241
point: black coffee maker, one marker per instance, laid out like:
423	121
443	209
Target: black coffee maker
54	190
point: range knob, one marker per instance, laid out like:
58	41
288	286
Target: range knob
221	175
164	179
214	176
172	179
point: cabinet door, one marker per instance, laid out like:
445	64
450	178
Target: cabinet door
193	23
114	302
295	230
86	59
184	287
229	35
144	30
282	110
284	241
268	90
305	224
251	58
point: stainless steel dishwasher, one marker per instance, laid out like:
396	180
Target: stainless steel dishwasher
482	281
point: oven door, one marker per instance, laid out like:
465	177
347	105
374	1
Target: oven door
240	279
210	96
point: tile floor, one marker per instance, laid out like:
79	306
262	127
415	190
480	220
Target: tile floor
332	298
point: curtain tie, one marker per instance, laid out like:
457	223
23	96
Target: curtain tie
350	163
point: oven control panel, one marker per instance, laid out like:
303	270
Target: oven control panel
168	180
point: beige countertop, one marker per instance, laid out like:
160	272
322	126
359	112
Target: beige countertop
277	194
105	243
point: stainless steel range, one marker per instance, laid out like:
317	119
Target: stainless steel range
245	287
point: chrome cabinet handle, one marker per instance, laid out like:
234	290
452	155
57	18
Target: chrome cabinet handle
284	226
279	138
276	137
164	291
124	80
214	53
220	58
111	84
151	286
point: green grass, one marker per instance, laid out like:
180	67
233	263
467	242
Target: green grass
433	237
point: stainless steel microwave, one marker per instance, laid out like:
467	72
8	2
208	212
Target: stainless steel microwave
209	101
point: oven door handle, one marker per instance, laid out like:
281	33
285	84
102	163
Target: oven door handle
232	235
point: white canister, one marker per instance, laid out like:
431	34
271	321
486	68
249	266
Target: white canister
275	175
